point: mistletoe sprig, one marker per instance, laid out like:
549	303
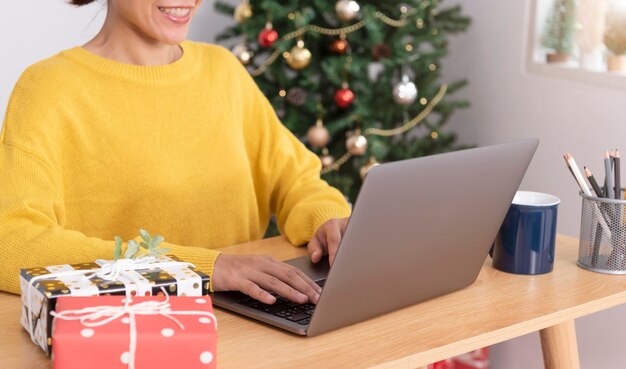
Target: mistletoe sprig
150	244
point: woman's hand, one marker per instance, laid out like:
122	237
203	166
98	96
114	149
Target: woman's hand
326	240
255	275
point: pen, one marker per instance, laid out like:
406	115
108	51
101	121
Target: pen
594	183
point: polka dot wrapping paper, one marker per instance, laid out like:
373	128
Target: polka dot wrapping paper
160	341
477	359
178	280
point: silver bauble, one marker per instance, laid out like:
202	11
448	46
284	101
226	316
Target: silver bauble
347	9
405	92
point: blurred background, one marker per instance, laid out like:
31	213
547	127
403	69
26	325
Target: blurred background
576	105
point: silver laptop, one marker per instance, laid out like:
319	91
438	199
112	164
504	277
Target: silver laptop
420	228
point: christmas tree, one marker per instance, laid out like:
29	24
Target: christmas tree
359	82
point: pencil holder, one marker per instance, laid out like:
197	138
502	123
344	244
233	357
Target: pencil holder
603	235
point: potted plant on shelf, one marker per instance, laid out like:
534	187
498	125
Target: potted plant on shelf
558	31
615	38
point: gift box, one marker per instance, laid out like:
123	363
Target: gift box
477	359
42	286
167	332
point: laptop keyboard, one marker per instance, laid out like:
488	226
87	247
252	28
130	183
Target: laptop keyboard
283	308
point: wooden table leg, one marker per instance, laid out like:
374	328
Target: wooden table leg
559	347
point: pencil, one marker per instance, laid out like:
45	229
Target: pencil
571	163
618	174
594	183
610	193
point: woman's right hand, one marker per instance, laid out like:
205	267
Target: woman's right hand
255	275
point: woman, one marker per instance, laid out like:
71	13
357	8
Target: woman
139	128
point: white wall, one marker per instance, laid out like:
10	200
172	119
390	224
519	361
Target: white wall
507	104
31	30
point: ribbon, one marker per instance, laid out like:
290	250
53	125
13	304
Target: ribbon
100	315
109	270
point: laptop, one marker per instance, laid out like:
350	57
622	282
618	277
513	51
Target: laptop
420	228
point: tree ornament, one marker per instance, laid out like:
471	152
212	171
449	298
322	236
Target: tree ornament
371	163
299	57
268	36
243	12
297	96
243	53
339	46
381	51
344	97
318	135
405	92
356	144
347	10
326	158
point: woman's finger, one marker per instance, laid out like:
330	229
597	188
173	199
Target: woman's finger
315	248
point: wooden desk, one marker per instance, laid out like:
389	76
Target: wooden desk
496	308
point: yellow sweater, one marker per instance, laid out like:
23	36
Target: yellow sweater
92	148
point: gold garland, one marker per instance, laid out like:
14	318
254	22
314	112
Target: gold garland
413	122
397	23
337	164
394	131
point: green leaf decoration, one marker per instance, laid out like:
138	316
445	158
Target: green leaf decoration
149	244
157	240
144	235
118	248
131	251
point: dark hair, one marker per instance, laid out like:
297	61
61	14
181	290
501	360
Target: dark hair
81	2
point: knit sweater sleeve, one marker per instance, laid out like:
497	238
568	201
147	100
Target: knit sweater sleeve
32	210
286	171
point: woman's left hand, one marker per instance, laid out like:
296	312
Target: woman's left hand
326	240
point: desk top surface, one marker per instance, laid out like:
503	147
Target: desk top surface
495	308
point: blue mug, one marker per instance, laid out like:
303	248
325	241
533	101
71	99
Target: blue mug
525	242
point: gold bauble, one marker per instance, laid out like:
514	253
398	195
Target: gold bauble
368	166
243	54
318	135
299	57
357	144
243	12
327	160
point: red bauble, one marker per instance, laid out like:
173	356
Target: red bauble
267	37
339	47
344	97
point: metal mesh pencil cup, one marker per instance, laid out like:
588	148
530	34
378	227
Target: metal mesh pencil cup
603	235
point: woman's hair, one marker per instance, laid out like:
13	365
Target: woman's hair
81	2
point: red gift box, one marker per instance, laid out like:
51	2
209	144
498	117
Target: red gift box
168	332
477	359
